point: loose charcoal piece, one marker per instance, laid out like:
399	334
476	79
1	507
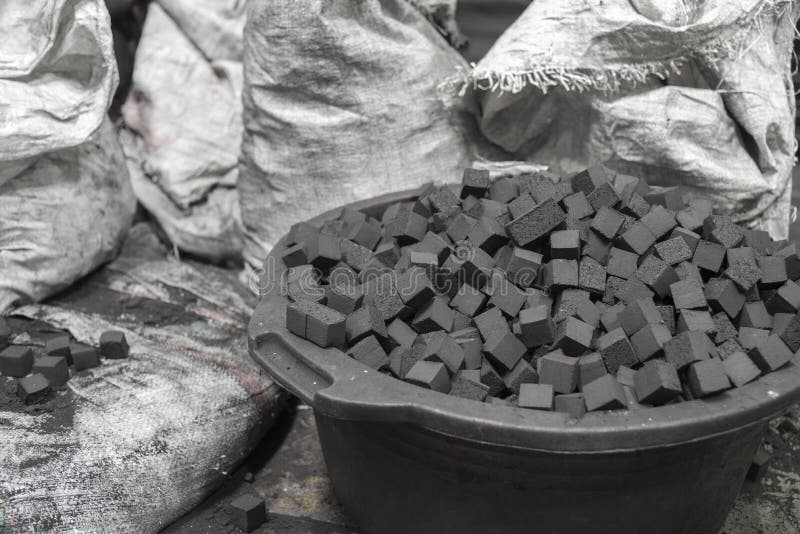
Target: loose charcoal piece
440	347
54	368
401	360
34	388
437	315
329	252
468	300
469	386
695	320
759	464
473	351
540	187
590	367
369	352
573	336
789	331
637	239
572	404
723	328
429	375
755	315
610	317
565	244
523	267
365	321
674	251
504	349
492	378
345	298
657	274
621	263
490	321
690	238
460	227
300	232
475	182
687	348
688	295
591	178
607	222
402	334
649	341
729	347
535	224
659	221
522	373
613	286
668	315
785	300
427	261
707	377
587	312
504	295
740	369
317	323
113	345
604	393
627	225
536	325
415	288
743	268
247	512
83	356
568	302
773	272
16	360
667	197
522	204
560	273
780	321
639	314
477	265
625	376
299	254
487	234
503	190
536	396
791	261
770	353
435	244
723	295
721	229
387	254
603	196
633	290
597	248
365	233
689	271
635	205
708	256
657	383
591	276
558	370
342	276
616	350
59	346
577	206
750	337
442	200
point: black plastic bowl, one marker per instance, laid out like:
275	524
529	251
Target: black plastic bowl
405	459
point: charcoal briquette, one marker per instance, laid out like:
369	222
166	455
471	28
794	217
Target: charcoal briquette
695	320
492	378
440	347
577	206
723	295
621	263
83	356
688	295
114	345
637	239
573	336
436	315
365	321
536	224
523	266
475	182
657	275
536	396
770	353
750	337
54	368
723	328
504	349
592	276
687	348
536	326
639	314
369	352
616	350
558	370
522	373
34	388
649	341
604	393
707	377
755	315
469	386
785	300
674	250
708	256
16	360
657	383
740	368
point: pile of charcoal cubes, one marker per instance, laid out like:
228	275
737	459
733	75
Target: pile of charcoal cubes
588	292
37	376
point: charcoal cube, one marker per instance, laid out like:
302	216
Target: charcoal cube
773	272
750	337
632	290
597	248
573	336
565	244
468	300
536	325
610	316
729	347
16	360
460	226
436	315
492	378
788	330
504	295
708	256
634	205
723	295
657	274
667	197
113	345
625	375
621	263
535	224
604	393
639	314
366	321
721	229
558	370
345	298
490	322
657	383
402	359
248	512
572	404
649	341
427	261
607	222
770	353
791	261
577	206
659	221
590	367
34	388
522	204
616	350
755	315
785	300
504	349
317	323
690	238
402	334
473	351
475	182
299	254
440	347
603	196
536	396
560	273
328	251
674	250
59	346
369	352
523	267
687	348
568	302
435	244
54	368
83	356
487	234
442	200
743	268
692	216
688	295
591	178
469	386
522	373
415	288
668	315
707	378
723	328
740	368
699	320
688	271
592	276
637	239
